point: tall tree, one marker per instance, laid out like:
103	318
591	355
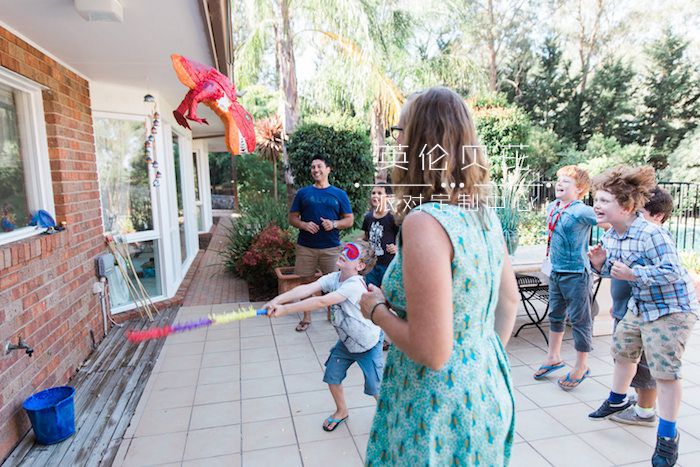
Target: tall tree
497	27
547	92
672	97
609	105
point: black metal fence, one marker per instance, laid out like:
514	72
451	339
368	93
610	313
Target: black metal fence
684	224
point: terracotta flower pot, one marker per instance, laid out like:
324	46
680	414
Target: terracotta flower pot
287	280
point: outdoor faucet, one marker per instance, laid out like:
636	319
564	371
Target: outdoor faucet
9	347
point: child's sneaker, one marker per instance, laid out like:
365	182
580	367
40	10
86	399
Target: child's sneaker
666	452
607	409
630	417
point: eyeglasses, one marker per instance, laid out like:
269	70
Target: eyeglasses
395	131
351	252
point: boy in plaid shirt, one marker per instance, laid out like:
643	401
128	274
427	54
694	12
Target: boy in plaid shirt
663	308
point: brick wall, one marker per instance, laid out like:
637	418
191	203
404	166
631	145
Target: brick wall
46	281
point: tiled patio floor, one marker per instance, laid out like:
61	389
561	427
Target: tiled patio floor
211	283
251	394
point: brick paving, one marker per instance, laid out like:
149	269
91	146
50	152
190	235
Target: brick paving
212	284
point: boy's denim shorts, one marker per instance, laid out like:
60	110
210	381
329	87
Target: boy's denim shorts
371	362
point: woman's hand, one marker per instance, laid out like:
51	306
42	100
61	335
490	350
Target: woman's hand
391	248
370	298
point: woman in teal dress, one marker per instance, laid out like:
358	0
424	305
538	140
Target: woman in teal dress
447	396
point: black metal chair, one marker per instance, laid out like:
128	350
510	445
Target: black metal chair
532	288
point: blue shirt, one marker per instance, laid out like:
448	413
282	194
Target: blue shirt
663	286
569	249
314	203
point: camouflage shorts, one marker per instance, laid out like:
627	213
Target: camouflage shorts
663	341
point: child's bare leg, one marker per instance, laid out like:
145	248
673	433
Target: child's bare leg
341	409
670	393
553	349
622	376
581	365
646	398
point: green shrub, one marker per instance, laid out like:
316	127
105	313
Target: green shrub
601	154
502	129
257	213
532	228
348	151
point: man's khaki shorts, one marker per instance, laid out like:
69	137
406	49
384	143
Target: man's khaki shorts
662	340
308	260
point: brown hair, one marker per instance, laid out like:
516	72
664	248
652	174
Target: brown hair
580	176
661	202
631	187
367	256
440	116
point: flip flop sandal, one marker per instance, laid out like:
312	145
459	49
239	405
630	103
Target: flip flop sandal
337	422
549	369
302	326
576	382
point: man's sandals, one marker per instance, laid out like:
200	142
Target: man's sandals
303	326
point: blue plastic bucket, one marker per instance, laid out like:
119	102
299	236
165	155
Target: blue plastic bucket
52	414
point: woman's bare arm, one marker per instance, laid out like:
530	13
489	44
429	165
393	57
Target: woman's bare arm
507	307
426	337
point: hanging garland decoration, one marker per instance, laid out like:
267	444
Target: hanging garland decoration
148	146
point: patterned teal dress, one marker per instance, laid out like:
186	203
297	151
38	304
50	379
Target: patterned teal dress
463	414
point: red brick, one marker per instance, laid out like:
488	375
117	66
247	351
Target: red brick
45	281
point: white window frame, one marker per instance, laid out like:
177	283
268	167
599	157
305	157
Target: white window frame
34	150
188	203
156	234
200	149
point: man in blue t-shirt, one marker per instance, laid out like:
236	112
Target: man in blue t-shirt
319	211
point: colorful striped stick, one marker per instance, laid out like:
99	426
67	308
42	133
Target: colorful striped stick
211	320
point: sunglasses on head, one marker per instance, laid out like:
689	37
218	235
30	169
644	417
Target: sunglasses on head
351	252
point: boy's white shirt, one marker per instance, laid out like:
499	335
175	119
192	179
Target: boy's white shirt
357	333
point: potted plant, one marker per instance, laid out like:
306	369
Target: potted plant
513	192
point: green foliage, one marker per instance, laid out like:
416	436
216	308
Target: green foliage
220	169
254	174
347	149
684	162
504	130
609	102
603	153
545	149
672	97
548	90
260	101
533	229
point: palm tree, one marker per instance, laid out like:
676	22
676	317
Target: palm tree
270	139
